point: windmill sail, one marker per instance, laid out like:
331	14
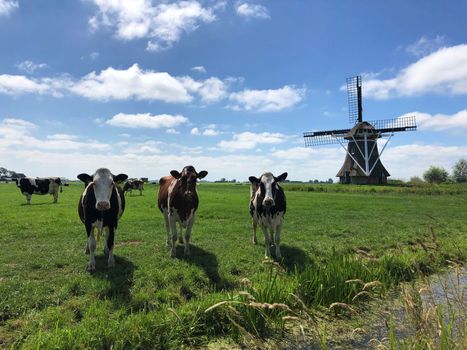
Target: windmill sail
354	96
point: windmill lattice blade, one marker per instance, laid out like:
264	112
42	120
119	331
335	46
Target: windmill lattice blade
321	140
394	125
353	97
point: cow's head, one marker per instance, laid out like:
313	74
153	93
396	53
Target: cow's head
103	182
188	178
267	184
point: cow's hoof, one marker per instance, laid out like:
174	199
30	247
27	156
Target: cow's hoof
187	252
111	263
255	241
91	268
106	250
173	254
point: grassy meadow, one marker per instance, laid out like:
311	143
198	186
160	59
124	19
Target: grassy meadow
340	248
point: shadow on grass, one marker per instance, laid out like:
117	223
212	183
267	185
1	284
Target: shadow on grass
208	262
294	258
34	204
120	277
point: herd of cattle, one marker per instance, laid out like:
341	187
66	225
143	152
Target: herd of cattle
102	204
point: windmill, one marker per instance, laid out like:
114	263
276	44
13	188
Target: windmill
362	164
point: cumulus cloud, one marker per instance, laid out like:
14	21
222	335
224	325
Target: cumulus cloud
162	23
210	130
249	140
440	122
267	100
199	69
195	131
122	84
443	72
19	84
30	67
210	90
146	120
7	7
17	133
248	10
426	45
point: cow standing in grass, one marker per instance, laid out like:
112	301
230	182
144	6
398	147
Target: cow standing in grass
178	202
131	185
267	209
30	186
100	207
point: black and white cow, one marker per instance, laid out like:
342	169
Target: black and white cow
131	185
100	207
267	209
178	201
30	186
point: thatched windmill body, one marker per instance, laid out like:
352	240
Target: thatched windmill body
362	164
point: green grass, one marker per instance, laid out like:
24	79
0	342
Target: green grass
48	300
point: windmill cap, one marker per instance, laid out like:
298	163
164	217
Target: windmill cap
359	129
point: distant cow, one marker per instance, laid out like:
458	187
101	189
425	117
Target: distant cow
101	206
30	186
178	201
131	185
267	209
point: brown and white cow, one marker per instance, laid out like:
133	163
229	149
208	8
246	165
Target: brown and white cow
131	185
30	186
100	207
178	202
267	209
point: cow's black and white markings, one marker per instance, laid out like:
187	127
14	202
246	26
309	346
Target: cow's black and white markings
29	186
267	209
100	207
178	201
131	185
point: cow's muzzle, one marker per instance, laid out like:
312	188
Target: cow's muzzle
103	205
268	202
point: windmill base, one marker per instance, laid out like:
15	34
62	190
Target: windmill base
363	180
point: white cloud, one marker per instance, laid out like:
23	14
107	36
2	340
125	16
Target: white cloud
7	7
249	140
146	120
248	10
129	83
426	45
163	23
30	67
211	132
172	131
443	71
440	122
195	131
210	90
199	69
267	100
62	137
19	84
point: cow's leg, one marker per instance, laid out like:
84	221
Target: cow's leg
106	234
28	198
110	246
267	242
180	233
173	226
277	241
167	227
188	235
140	192
91	247
56	195
255	226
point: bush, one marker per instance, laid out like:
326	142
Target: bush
459	171
435	175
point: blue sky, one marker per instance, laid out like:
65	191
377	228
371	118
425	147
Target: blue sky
145	86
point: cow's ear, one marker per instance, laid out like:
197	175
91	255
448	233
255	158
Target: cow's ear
202	173
281	177
175	174
120	178
85	178
253	179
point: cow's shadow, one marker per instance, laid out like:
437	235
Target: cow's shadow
120	277
208	262
35	204
294	259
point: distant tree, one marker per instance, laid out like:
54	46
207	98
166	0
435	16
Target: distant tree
415	180
315	181
459	171
435	175
330	181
